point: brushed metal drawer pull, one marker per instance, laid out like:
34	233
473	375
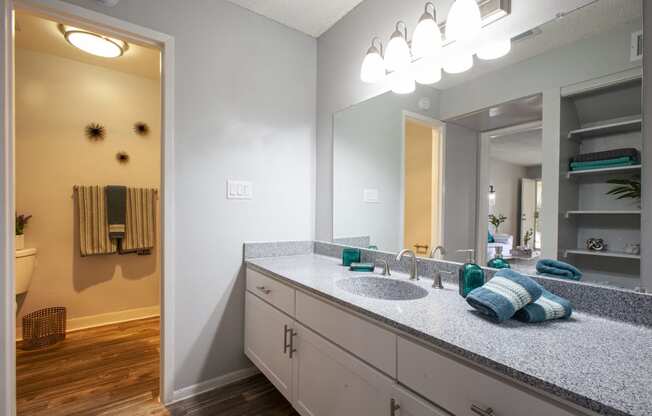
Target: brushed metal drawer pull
264	289
393	407
293	334
285	339
482	412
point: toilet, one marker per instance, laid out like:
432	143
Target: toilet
25	264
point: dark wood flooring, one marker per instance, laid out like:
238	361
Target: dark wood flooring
114	370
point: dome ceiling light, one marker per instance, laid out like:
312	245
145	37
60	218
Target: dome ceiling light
422	59
93	43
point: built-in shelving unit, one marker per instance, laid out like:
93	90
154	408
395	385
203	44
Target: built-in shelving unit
606	129
601	119
614	254
604	171
603	212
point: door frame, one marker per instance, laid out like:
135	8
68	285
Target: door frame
67	13
435	124
484	182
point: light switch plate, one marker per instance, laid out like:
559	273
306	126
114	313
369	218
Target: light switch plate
239	189
370	196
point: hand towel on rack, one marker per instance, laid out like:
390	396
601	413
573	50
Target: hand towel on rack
116	200
140	230
93	226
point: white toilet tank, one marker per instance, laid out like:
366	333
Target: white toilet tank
25	264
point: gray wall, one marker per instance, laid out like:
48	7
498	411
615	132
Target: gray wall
646	221
245	109
368	153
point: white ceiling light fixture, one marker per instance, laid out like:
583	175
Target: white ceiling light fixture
93	43
426	40
397	55
373	65
464	20
495	50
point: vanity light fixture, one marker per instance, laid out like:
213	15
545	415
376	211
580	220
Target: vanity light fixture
458	62
492	195
495	50
426	48
373	66
464	20
402	82
93	43
397	55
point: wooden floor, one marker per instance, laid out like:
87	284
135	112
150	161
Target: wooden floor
114	370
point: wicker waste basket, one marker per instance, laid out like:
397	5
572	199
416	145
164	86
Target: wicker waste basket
44	327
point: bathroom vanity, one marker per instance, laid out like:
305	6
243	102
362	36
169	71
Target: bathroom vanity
333	347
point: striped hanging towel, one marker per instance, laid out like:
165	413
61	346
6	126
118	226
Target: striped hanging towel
140	232
93	225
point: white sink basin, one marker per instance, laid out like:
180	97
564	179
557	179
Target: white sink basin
382	288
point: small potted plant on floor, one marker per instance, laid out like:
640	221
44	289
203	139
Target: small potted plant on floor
21	223
496	220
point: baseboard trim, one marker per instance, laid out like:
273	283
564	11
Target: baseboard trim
204	386
93	321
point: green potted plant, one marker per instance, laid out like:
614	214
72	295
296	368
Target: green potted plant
496	220
627	188
21	223
528	237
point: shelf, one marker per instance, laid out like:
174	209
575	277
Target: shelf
603	212
606	129
615	254
602	171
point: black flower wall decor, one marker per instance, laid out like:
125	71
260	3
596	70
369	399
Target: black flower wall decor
122	157
141	128
95	131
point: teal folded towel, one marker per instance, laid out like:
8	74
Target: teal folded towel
490	237
604	166
548	306
506	293
559	269
614	161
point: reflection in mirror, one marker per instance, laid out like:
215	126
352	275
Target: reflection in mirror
535	156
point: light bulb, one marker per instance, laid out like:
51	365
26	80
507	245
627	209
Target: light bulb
495	50
426	40
397	56
458	63
94	44
373	67
464	20
427	70
402	82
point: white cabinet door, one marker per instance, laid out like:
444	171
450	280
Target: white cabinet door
406	403
330	382
265	340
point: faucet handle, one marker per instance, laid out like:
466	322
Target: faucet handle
386	269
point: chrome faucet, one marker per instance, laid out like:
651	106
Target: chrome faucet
441	250
413	266
386	269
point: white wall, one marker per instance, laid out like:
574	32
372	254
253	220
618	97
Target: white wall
55	99
646	155
340	53
506	178
368	152
245	109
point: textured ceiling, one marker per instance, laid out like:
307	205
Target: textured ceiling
312	17
42	35
523	149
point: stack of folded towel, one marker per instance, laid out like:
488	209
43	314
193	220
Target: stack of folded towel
512	295
558	269
607	159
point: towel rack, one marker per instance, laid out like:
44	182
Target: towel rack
76	187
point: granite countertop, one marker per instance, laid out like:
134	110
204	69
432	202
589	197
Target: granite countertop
599	364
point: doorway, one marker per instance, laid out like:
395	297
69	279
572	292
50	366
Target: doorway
84	19
422	184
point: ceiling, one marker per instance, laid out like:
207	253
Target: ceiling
513	113
42	35
522	148
312	17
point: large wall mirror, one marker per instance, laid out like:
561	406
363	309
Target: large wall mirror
534	156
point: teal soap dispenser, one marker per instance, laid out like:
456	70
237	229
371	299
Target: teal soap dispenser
471	275
498	262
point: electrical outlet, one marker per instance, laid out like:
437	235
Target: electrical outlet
239	189
370	196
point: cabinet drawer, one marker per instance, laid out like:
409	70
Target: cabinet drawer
457	388
271	290
364	339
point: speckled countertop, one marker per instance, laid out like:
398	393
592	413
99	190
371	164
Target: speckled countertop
599	364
